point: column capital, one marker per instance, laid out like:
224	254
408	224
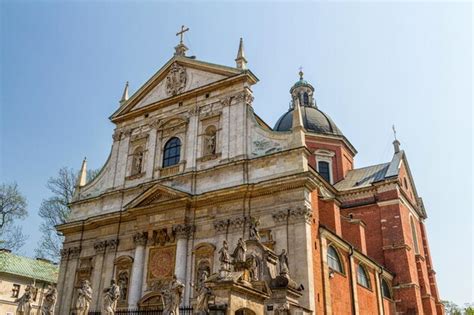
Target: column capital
100	247
183	230
74	252
112	244
140	238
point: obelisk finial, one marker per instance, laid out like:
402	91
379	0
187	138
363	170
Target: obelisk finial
124	94
240	61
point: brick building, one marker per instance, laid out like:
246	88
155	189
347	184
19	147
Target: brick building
192	165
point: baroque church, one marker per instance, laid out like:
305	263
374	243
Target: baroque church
277	220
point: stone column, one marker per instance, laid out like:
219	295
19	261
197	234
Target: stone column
182	232
135	288
99	247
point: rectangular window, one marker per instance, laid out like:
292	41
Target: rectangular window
16	290
323	170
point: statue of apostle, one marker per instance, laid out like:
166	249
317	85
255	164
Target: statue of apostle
25	301
239	251
111	296
224	256
283	259
49	300
172	297
84	298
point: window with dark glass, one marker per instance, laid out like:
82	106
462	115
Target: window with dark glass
15	290
305	99
386	290
323	170
172	152
334	261
363	277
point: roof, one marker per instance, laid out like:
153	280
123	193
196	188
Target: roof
313	120
28	267
363	177
366	176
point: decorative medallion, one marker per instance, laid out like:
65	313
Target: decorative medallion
161	263
176	80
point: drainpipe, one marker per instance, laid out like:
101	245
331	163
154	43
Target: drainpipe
353	288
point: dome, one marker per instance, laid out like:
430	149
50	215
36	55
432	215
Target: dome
314	120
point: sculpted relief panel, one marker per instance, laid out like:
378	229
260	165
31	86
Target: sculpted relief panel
161	263
177	81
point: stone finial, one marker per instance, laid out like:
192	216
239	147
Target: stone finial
396	146
240	61
396	143
82	178
124	94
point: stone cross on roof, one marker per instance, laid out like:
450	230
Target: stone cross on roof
181	33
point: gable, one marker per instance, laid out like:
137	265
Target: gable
406	182
157	194
180	75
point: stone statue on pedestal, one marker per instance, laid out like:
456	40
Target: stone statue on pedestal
202	303
283	259
224	256
49	301
240	251
84	298
110	298
172	297
253	230
25	301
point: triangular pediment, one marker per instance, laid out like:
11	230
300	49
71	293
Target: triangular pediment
180	75
155	195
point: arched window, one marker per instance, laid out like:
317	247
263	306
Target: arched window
386	289
137	161
172	152
334	261
414	235
323	170
362	277
210	141
305	99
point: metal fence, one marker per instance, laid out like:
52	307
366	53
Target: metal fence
182	311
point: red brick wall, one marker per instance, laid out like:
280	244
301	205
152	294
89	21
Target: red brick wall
341	296
342	161
388	307
367	298
330	216
354	233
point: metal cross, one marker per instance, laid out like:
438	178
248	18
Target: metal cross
181	33
394	132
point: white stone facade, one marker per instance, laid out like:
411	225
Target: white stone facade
121	221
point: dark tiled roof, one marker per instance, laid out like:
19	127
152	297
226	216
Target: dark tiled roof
363	177
313	120
366	176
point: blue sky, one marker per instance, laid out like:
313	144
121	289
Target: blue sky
64	65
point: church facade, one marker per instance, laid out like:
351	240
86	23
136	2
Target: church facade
194	173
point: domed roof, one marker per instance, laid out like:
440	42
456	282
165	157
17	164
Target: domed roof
301	82
314	120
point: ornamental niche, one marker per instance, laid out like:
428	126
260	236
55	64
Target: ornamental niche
176	80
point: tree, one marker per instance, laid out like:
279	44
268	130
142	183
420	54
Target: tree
451	308
12	207
55	210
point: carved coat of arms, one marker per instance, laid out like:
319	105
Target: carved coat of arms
176	80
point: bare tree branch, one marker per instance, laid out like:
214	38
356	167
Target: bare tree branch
54	211
12	208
